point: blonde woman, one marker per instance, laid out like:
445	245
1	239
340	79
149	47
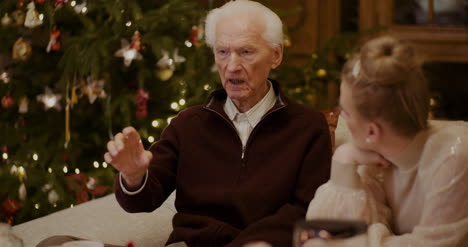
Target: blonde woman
404	177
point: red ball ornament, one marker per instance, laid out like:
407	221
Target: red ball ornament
7	101
40	1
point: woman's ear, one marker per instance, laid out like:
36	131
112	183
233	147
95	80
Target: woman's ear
277	56
374	132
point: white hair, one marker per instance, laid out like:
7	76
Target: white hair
273	33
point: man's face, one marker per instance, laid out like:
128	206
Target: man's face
244	59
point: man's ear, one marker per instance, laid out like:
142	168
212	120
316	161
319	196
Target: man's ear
277	56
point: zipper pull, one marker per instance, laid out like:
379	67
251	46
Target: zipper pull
243	152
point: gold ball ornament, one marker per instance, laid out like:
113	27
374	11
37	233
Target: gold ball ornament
6	20
21	50
321	73
164	74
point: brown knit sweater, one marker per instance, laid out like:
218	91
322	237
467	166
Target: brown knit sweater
227	196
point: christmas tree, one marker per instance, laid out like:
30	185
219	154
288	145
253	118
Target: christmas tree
74	73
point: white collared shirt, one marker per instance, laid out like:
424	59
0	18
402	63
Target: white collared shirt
246	122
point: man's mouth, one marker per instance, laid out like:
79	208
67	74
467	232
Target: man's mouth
236	81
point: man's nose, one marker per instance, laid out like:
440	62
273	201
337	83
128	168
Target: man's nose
233	63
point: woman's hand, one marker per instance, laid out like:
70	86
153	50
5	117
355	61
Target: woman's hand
127	154
345	161
349	153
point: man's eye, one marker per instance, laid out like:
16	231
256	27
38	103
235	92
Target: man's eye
222	52
246	52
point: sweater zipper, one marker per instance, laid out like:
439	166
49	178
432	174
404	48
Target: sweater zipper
232	126
244	148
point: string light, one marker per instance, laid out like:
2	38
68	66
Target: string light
49	170
84	10
35	157
55	205
36	206
128	24
77	171
41	17
150	139
5	156
96	164
174	105
65	169
155	123
71	205
188	43
104	165
206	87
182	102
73	3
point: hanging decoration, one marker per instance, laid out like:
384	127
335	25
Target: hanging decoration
7	101
54	42
18	17
167	64
20	3
59	3
197	35
53	197
5	77
22	193
32	17
6	20
92	88
130	52
23	105
8	208
21	50
95	89
84	187
50	100
40	1
142	97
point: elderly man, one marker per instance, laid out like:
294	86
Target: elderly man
247	163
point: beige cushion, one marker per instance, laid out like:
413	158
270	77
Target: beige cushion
103	220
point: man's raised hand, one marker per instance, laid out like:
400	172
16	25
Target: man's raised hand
127	154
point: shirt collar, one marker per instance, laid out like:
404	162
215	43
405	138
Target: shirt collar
255	114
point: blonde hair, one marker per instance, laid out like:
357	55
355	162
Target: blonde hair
387	82
273	32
